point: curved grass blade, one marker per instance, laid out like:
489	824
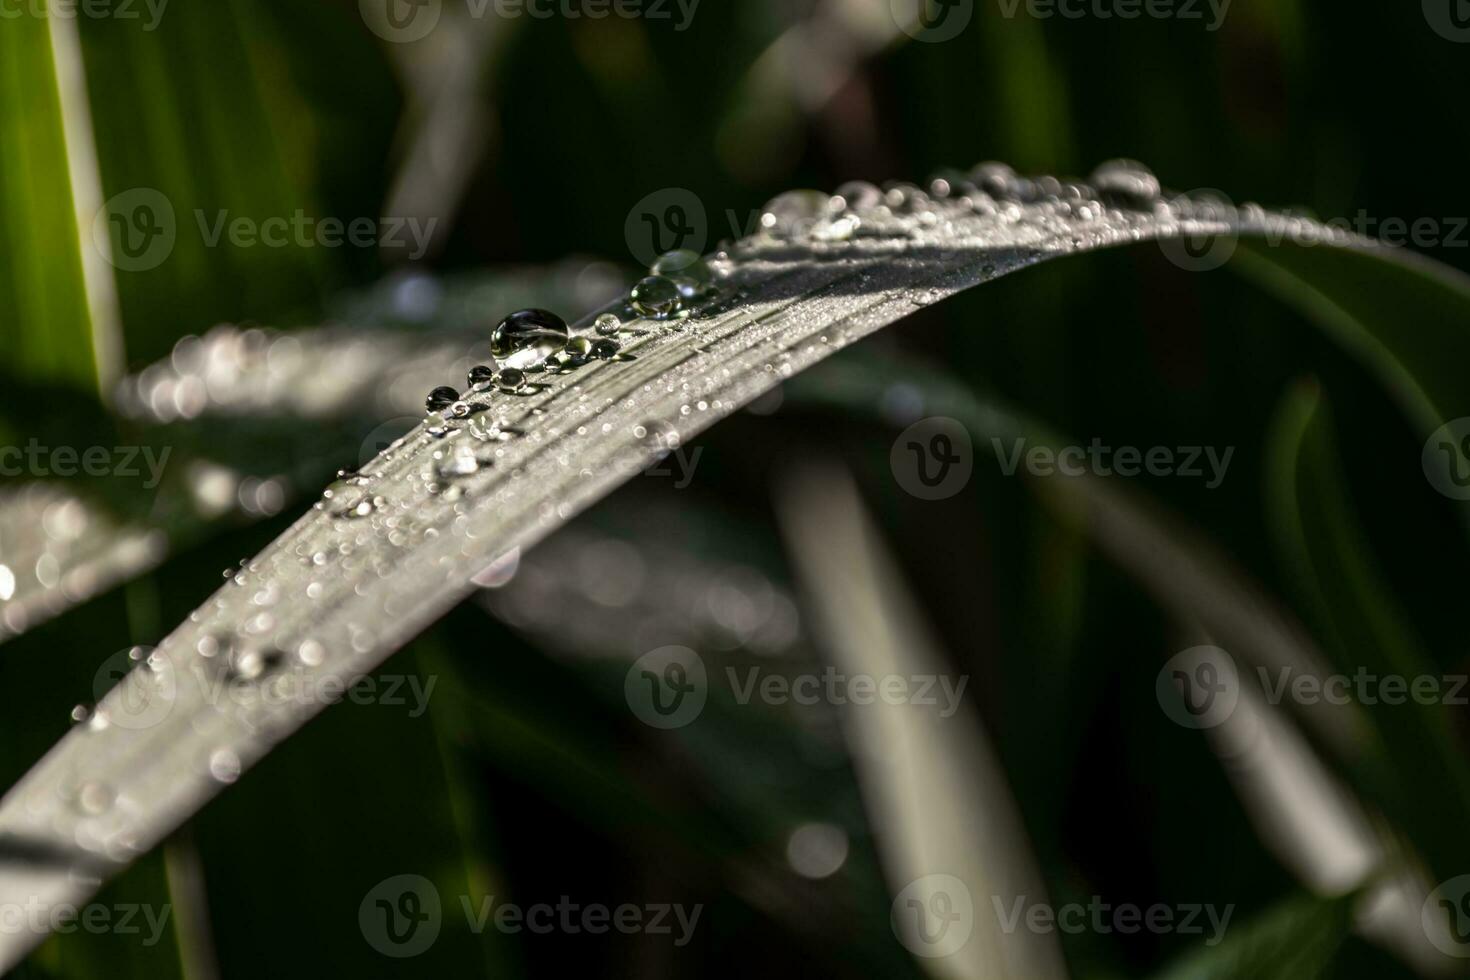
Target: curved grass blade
1427	786
387	553
240	422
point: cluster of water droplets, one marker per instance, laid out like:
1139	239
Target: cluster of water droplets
860	210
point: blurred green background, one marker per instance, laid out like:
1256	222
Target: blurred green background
528	140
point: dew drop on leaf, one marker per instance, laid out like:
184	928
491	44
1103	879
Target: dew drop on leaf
540	330
657	296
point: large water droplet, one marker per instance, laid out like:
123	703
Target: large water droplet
657	296
1127	180
481	374
441	398
683	262
577	349
608	324
859	195
795	213
540	330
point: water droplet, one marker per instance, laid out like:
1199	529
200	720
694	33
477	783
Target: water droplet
224	765
461	462
795	213
441	398
683	262
311	653
605	349
510	379
252	664
608	324
578	348
858	195
481	374
949	182
540	330
995	179
657	296
94	798
1129	181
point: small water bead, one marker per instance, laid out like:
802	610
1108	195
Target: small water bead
795	213
605	349
607	324
224	765
441	398
657	296
578	348
949	182
252	664
540	330
481	374
462	462
510	379
1128	180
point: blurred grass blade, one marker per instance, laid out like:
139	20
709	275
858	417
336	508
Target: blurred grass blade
45	329
942	812
387	554
1296	940
191	133
1427	787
